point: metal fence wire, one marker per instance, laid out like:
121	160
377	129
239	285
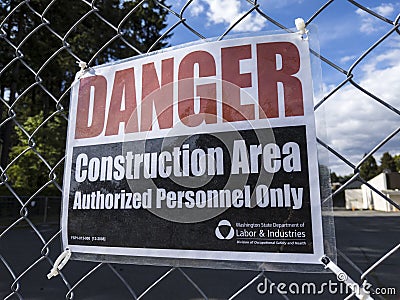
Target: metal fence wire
35	49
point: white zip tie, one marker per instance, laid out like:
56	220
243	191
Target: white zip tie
341	276
83	67
300	25
60	262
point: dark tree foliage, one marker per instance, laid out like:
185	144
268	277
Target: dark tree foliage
369	169
334	177
396	159
387	163
340	179
36	84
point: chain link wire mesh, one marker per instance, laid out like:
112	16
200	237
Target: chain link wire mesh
25	74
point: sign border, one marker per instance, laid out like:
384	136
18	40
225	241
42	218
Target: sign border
200	255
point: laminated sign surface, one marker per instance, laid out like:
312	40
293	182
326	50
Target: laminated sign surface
204	152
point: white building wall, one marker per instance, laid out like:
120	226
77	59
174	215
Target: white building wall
379	182
365	198
383	205
375	201
380	203
353	199
369	197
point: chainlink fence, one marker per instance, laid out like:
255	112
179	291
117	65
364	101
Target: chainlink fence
34	117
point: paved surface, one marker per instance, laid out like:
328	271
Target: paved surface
362	236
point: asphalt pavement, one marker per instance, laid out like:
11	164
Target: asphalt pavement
362	238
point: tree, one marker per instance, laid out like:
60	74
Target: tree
396	159
369	169
29	170
334	177
15	28
387	163
339	178
38	89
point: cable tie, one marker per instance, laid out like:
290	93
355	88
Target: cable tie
60	262
301	26
359	292
83	67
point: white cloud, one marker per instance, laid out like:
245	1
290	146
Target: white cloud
253	22
196	8
283	3
385	9
228	12
355	122
347	58
371	24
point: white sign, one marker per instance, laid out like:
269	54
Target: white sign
204	152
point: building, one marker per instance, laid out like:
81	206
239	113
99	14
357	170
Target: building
339	198
354	199
388	183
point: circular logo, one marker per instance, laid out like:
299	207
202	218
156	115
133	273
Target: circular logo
342	276
223	235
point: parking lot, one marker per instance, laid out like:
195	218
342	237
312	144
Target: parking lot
362	237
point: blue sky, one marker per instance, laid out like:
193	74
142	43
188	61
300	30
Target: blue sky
354	122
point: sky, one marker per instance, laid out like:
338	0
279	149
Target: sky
351	122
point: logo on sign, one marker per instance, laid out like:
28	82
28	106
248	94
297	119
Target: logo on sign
224	230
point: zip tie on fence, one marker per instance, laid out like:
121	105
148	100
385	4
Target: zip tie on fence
60	262
83	67
359	292
301	26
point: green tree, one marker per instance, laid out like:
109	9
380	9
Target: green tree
369	168
29	169
387	163
396	159
334	177
16	26
115	29
339	178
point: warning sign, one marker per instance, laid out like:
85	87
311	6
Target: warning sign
204	152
